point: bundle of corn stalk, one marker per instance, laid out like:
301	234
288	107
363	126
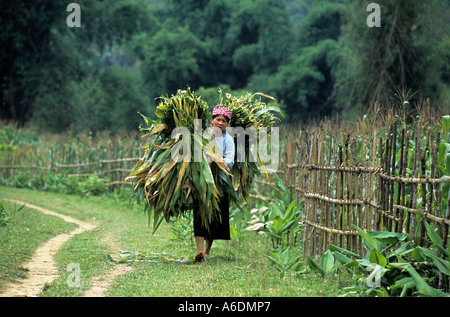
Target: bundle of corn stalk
254	117
180	168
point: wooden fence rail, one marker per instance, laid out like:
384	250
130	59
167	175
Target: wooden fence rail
363	178
81	155
116	175
392	181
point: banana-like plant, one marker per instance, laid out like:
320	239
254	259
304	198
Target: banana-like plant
283	261
393	265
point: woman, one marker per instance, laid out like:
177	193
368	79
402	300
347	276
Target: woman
218	228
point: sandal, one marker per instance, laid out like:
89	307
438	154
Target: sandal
199	257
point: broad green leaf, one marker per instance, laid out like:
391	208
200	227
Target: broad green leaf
446	127
369	240
416	254
422	286
277	223
378	258
404	283
273	235
327	261
447	164
396	265
267	109
287	226
344	259
387	236
233	232
441	264
286	256
444	148
436	239
346	252
315	267
109	258
289	212
276	211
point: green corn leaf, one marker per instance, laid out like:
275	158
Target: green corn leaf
447	164
444	148
446	127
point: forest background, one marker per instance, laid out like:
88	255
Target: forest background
317	58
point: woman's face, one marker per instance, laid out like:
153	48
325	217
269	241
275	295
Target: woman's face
220	122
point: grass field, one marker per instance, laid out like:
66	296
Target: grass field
237	267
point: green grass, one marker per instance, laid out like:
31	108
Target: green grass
237	267
24	232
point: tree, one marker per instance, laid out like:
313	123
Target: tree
407	52
24	37
306	81
306	85
123	96
170	61
261	34
43	61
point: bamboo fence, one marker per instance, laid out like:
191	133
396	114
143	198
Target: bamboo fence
344	178
390	182
108	157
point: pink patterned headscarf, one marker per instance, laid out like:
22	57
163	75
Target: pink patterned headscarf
223	111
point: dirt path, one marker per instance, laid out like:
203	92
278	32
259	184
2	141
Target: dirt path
42	268
101	283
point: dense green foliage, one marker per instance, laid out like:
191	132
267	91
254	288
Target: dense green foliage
318	58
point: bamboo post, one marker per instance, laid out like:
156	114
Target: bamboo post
398	224
306	233
435	193
327	185
392	173
322	186
414	187
362	210
373	185
387	187
340	192
381	186
314	189
405	149
424	189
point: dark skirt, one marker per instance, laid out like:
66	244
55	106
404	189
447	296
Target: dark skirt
219	228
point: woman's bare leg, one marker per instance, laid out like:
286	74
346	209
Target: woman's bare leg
200	256
208	246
